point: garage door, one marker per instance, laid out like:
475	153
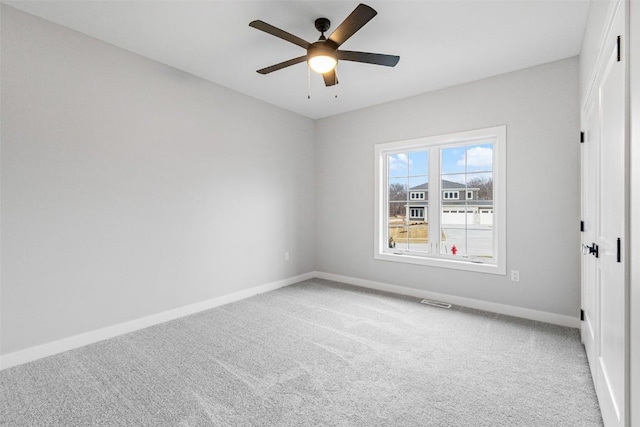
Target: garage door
486	216
457	217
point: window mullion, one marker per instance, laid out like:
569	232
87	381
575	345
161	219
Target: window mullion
434	200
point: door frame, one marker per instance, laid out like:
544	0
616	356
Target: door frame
633	53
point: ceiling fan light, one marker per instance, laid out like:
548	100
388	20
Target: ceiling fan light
322	60
322	64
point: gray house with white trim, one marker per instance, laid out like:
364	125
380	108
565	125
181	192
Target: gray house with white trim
461	204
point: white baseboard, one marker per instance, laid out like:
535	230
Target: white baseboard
525	313
38	352
49	349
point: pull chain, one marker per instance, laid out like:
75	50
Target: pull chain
308	81
335	81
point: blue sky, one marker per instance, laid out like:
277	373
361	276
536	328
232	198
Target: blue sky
471	159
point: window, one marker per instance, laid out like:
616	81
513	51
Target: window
464	228
417	213
450	195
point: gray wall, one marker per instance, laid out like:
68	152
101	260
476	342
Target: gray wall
540	107
130	188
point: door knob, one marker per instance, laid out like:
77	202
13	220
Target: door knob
590	250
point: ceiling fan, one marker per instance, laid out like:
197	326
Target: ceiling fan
323	55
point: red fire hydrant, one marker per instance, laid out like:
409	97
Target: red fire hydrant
454	250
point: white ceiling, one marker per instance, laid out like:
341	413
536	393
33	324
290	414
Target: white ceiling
440	43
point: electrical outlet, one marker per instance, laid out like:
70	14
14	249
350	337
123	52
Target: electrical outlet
286	256
515	275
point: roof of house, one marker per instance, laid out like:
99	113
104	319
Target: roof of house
445	185
447	203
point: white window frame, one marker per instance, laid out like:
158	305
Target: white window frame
416	195
451	195
469	195
433	258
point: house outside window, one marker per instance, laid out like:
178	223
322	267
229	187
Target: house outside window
464	228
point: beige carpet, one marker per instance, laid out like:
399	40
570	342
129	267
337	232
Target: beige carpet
315	353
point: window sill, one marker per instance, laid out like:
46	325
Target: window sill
464	265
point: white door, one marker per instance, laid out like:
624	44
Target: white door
604	208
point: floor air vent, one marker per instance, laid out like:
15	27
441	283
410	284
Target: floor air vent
435	303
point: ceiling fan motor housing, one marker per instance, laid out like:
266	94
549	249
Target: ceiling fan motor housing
322	25
321	48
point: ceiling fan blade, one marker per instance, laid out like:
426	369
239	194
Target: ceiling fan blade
275	31
358	18
369	58
282	65
330	78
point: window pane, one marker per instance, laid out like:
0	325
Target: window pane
407	199
481	184
418	183
397	210
418	233
397	165
397	189
471	239
397	196
418	163
418	190
479	157
398	236
466	212
480	242
453	160
454	240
